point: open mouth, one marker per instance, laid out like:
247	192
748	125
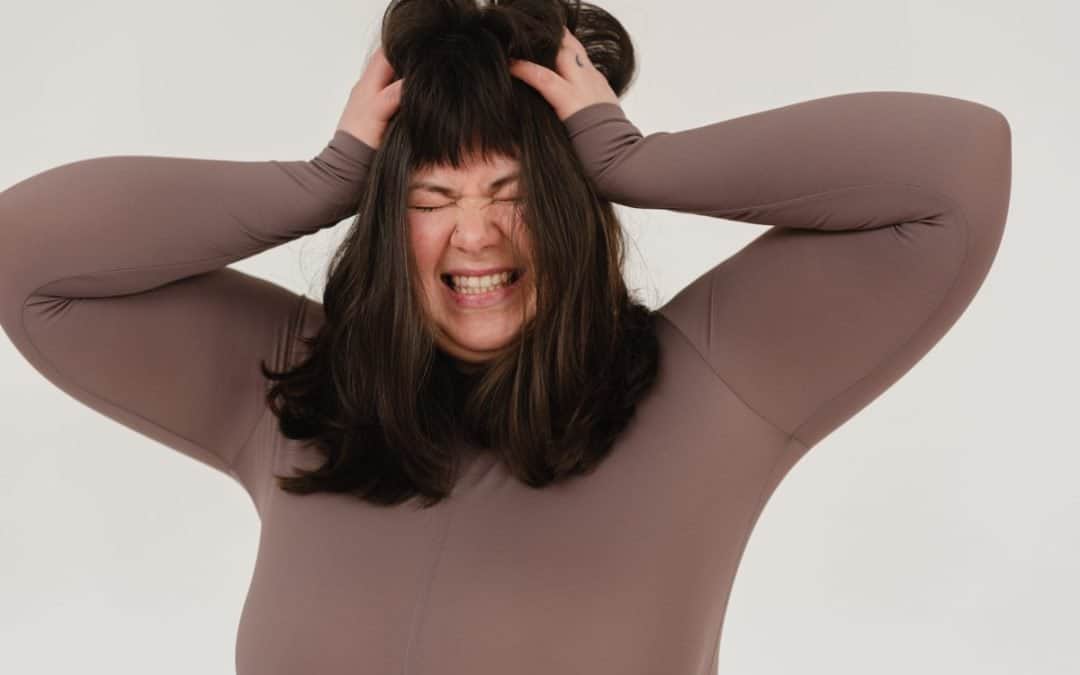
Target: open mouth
515	275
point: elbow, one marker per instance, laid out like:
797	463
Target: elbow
1000	138
1002	181
993	138
9	240
19	266
991	170
9	247
981	185
980	174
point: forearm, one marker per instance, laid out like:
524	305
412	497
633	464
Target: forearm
844	162
123	224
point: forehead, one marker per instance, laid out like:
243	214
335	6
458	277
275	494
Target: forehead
474	173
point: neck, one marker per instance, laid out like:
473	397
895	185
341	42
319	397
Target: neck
468	367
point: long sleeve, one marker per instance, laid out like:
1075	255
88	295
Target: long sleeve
114	285
887	210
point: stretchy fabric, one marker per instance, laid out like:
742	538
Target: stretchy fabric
887	209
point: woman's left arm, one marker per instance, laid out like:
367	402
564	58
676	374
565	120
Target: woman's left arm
887	210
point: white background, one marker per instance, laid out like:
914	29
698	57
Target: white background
938	531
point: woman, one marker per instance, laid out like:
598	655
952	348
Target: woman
586	471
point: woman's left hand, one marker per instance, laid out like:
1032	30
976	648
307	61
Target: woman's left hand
577	83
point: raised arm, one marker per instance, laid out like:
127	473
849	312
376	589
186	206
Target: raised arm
888	209
114	285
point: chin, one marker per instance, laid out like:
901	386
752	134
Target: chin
475	348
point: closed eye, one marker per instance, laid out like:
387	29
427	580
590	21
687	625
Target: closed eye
429	209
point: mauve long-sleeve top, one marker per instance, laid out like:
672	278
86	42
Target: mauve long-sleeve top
886	210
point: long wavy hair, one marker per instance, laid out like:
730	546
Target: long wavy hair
386	407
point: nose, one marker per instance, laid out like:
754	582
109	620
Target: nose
476	226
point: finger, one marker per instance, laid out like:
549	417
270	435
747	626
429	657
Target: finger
393	92
572	59
386	102
571	40
546	81
378	72
384	72
572	63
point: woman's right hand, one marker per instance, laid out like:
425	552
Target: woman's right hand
372	102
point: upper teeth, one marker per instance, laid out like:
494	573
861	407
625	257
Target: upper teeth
486	280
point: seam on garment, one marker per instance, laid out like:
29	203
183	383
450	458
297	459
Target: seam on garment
764	494
250	434
419	617
294	327
783	458
227	463
720	377
965	226
719	213
260	493
70	381
608	116
37	291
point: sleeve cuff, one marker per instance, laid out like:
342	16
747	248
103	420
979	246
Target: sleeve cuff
591	115
352	147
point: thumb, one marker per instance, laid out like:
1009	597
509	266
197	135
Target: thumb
389	99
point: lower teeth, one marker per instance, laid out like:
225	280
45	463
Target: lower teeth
477	291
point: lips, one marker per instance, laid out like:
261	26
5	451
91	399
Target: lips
486	299
462	272
515	274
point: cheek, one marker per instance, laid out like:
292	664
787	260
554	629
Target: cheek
427	251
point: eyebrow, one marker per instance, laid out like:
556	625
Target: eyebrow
442	189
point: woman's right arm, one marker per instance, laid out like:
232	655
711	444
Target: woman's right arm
114	285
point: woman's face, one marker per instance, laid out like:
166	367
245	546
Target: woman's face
462	222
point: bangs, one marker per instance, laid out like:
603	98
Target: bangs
460	102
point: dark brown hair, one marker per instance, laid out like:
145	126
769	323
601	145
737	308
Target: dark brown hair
386	407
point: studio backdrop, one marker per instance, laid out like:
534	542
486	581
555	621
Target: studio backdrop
936	531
